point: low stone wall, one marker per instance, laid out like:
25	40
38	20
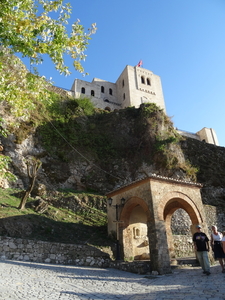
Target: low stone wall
56	253
65	254
85	255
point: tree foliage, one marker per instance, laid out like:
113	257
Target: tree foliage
4	169
19	89
34	28
38	27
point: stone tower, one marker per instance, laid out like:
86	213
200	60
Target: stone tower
138	85
134	86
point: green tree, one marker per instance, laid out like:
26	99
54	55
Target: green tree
33	166
37	27
4	169
33	28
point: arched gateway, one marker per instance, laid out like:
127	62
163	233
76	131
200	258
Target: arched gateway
142	224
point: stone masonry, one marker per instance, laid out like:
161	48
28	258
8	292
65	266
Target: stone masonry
56	253
64	254
133	87
154	200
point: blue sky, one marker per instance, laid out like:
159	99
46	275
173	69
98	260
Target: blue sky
182	41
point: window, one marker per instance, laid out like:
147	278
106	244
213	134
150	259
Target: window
110	91
102	89
123	83
83	90
142	79
92	93
148	81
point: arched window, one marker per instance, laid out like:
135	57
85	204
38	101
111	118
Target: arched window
142	79
110	91
148	81
107	108
83	90
102	89
123	83
92	93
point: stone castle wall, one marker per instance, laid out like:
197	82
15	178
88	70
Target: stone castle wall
133	87
205	134
208	135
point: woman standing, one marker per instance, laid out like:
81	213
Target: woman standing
216	244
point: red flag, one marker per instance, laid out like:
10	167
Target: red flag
140	63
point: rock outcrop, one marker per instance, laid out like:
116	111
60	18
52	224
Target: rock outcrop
113	149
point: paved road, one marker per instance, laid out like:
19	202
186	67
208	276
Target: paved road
33	281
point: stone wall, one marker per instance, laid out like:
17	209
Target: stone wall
139	267
180	225
65	254
133	87
85	255
56	253
183	246
215	215
208	135
181	222
188	134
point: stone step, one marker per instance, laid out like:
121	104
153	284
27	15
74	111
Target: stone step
184	261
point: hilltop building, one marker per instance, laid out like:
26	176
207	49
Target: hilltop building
134	86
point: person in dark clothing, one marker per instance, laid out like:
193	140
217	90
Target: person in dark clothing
201	244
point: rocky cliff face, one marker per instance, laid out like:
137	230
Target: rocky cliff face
100	152
107	150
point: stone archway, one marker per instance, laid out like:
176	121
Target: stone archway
152	201
169	204
134	219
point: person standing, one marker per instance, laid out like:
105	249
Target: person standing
201	244
216	244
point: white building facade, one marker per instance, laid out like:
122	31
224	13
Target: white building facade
134	86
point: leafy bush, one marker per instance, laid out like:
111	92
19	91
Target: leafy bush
4	169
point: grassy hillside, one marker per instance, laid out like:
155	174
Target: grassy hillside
70	217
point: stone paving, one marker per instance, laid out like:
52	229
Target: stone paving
34	281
